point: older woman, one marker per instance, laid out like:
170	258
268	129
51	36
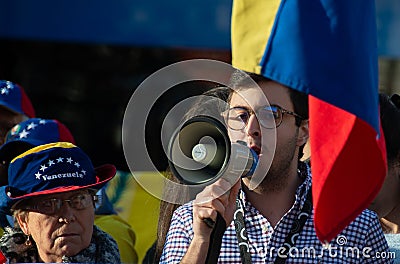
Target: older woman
51	192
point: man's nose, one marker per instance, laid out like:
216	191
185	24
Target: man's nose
253	127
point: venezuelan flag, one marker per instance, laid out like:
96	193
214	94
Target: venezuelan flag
327	49
3	259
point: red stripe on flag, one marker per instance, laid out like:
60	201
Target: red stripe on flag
2	258
348	166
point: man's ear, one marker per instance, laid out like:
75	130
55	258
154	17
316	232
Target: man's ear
303	133
22	220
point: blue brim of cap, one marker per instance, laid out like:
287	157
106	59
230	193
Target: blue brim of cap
11	108
6	150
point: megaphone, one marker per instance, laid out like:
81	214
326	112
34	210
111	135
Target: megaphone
201	152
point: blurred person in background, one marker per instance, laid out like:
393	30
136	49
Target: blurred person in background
15	106
387	202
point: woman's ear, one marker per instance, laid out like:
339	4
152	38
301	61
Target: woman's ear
22	220
303	133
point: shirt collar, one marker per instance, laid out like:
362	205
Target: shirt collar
304	172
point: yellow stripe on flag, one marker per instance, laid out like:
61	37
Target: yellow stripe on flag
252	22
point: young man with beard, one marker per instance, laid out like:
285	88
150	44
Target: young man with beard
281	202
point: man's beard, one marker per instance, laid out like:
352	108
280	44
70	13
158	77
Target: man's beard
278	174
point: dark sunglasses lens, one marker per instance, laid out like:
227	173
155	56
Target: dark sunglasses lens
48	206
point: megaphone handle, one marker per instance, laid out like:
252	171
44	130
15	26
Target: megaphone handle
217	233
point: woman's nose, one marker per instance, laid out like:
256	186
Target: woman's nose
67	213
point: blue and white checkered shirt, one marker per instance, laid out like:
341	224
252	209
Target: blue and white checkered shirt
361	242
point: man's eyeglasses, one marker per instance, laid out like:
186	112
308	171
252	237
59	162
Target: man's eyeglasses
53	205
270	116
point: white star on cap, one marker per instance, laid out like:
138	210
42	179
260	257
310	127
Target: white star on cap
42	121
9	85
43	167
51	162
77	164
23	134
4	91
60	160
38	175
31	126
69	160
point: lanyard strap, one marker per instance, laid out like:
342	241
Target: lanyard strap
296	228
290	240
241	233
217	233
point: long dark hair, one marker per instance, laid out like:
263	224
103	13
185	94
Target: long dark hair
211	102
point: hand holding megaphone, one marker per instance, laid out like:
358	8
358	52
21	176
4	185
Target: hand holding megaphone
200	152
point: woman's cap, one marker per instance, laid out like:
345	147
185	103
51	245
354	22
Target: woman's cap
51	168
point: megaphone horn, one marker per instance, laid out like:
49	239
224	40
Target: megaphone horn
200	152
